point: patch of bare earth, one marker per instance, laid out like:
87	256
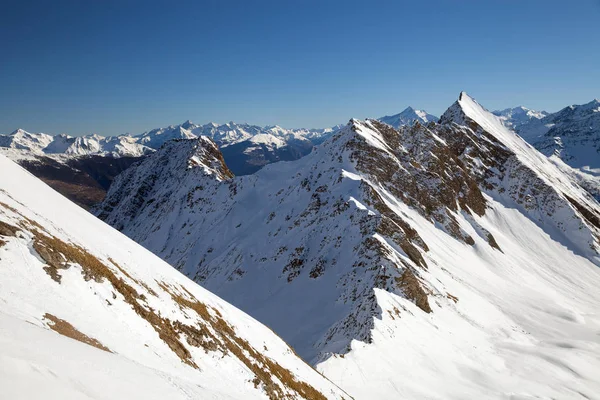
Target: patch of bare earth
66	329
7	230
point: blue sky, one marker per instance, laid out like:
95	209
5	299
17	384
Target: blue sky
110	67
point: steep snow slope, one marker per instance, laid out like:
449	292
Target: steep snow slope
442	261
141	329
512	167
408	117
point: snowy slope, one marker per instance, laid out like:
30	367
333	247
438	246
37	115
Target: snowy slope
521	174
142	330
408	117
439	261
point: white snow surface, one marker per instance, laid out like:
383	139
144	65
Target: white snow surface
37	362
522	322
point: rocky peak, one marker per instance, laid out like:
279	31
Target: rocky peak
507	166
188	125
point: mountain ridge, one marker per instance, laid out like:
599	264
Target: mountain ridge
380	232
113	313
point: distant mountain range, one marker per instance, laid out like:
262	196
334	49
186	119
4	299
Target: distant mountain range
83	167
570	137
517	116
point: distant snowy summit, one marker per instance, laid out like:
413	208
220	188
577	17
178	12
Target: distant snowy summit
44	144
517	116
408	117
257	145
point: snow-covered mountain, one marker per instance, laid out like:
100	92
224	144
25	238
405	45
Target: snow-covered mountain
573	134
81	168
247	148
447	260
517	116
87	313
43	144
408	117
571	138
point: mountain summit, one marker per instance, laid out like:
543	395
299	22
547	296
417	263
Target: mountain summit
452	244
408	117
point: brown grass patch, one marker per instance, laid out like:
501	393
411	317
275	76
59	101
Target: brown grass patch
8	229
2	204
93	268
66	329
142	284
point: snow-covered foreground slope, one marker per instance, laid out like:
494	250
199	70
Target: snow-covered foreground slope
141	329
439	261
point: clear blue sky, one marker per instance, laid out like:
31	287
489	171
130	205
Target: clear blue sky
110	67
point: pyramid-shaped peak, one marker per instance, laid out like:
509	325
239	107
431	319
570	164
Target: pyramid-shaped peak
19	131
187	124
